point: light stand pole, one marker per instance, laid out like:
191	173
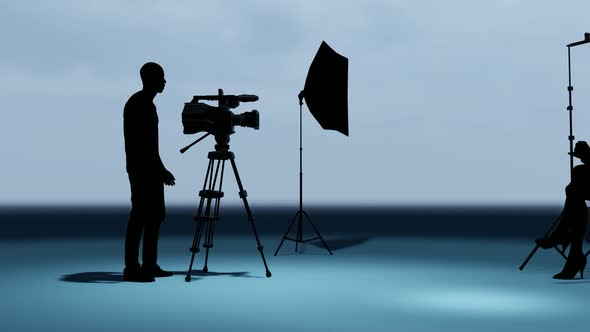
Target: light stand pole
300	214
570	109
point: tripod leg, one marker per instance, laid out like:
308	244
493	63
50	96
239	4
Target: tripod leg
195	248
208	243
317	232
287	232
243	196
199	227
208	219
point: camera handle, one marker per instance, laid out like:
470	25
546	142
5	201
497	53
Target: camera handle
183	150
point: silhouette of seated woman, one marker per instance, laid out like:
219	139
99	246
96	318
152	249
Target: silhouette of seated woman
147	176
572	225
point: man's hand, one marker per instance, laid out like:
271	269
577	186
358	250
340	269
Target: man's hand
168	178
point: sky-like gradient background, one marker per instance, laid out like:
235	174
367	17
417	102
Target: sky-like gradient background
451	102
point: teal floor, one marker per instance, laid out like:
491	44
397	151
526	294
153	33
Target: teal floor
369	284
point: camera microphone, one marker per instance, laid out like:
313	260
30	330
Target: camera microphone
247	98
240	98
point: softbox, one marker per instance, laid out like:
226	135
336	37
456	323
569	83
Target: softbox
326	89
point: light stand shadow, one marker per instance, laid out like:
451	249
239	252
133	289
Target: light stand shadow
343	242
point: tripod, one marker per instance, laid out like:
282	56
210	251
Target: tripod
299	215
208	210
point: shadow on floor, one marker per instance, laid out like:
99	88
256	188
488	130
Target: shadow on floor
343	242
94	277
116	277
575	281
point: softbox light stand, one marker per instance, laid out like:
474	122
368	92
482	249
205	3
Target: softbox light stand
326	94
301	213
571	138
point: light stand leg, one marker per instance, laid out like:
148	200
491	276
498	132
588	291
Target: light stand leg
299	235
547	234
288	231
317	232
549	231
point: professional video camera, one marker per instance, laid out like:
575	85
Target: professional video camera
218	121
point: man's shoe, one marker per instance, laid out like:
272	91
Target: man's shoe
157	272
137	275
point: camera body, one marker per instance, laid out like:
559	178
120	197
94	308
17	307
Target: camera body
218	121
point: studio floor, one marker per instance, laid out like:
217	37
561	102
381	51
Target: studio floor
369	284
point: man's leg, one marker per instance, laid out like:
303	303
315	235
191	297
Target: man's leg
132	239
152	231
132	271
135	225
150	251
150	243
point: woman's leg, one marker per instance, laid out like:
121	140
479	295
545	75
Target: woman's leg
579	212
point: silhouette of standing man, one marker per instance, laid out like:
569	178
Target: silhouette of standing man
147	176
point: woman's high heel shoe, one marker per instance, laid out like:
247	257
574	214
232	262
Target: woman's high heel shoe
571	268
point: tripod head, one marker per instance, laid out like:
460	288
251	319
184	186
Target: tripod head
222	141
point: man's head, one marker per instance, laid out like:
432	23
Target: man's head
152	76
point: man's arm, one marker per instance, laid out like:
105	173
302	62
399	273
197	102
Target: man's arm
167	177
